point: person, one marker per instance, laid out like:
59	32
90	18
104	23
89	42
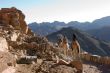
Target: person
60	40
75	47
65	45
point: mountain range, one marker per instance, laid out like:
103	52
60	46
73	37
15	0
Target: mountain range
101	33
46	28
87	42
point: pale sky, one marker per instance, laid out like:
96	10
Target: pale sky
60	10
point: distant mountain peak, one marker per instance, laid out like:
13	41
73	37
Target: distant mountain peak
46	28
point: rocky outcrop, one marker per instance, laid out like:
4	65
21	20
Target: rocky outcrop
13	28
15	18
21	43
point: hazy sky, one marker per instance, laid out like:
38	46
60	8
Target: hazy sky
60	10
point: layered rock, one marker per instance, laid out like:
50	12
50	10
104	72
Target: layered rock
13	28
15	18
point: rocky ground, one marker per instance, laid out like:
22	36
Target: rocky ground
23	52
95	68
44	68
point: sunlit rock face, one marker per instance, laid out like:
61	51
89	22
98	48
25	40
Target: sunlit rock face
15	18
3	45
14	36
13	30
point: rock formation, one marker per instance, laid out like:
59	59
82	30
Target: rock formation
19	42
14	18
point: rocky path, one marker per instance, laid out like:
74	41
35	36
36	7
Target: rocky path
95	68
90	69
24	68
9	70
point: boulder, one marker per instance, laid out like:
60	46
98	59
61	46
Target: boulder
3	45
14	36
78	65
51	67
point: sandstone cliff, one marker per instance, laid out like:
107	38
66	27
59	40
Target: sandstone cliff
12	17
